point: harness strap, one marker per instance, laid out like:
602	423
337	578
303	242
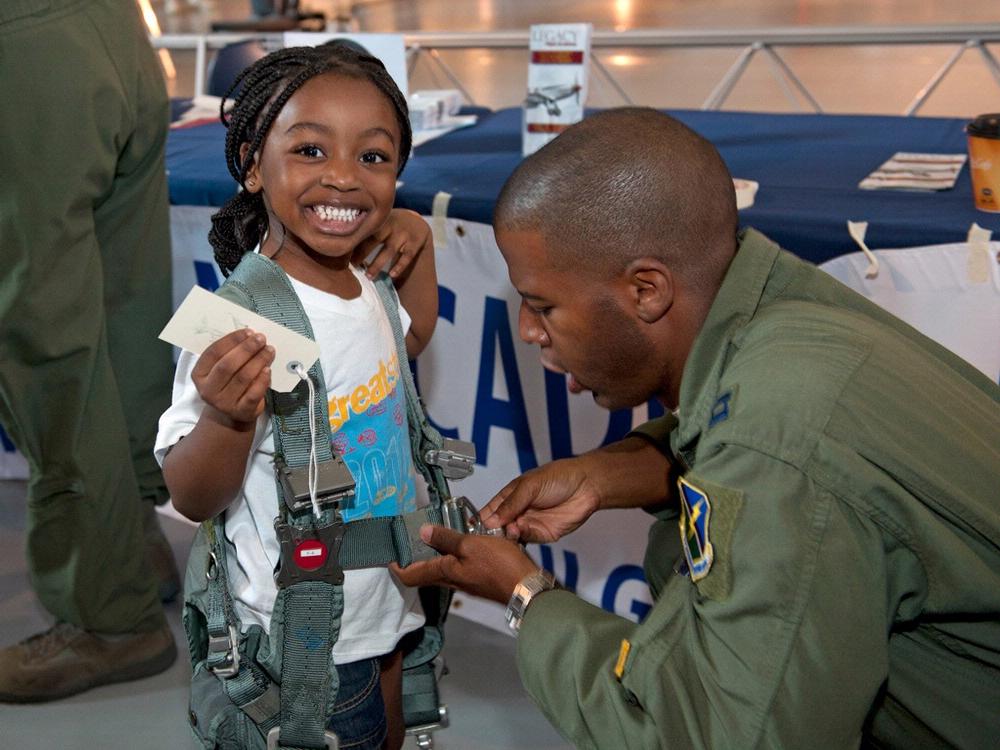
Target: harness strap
221	621
307	615
420	699
310	625
423	437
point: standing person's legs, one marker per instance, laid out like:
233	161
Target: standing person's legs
59	397
132	226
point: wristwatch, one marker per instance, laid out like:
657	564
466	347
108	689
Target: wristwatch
527	588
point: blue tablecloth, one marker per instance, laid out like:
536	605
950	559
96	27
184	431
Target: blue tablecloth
808	167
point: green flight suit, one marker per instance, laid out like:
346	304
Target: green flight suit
852	474
84	291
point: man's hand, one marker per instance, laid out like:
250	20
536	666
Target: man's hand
549	502
544	504
484	566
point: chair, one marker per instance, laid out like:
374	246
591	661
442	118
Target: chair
229	61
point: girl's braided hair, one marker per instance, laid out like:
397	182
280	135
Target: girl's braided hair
262	89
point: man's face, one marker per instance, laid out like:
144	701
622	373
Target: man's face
582	324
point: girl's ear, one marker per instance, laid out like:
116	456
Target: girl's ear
252	180
651	287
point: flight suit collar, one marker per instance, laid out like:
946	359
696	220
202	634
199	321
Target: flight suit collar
735	304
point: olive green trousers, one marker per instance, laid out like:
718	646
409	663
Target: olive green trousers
84	290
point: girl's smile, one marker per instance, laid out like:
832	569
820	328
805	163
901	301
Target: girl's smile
327	173
338	220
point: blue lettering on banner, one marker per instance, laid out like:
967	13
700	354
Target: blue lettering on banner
6	442
204	273
557	405
619	576
655	409
493	412
571	576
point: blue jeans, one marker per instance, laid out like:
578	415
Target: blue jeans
358	717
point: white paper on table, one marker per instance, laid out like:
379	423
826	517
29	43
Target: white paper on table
909	171
456	122
203	318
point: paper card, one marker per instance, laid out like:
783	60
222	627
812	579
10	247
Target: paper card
203	318
979	254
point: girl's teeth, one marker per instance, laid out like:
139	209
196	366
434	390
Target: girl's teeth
329	213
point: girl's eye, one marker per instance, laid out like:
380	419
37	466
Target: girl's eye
374	157
309	150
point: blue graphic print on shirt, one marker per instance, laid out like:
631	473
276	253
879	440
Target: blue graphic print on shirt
370	432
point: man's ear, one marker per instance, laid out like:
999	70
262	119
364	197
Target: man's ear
651	286
252	179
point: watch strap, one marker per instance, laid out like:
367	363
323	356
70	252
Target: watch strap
527	589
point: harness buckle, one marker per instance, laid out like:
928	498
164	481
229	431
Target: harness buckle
229	646
334	482
456	458
274	737
424	733
460	514
309	553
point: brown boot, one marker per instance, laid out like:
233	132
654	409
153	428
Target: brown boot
65	660
159	554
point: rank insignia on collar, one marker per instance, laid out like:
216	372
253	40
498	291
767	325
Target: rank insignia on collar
696	514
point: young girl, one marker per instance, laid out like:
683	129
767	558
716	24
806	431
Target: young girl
316	138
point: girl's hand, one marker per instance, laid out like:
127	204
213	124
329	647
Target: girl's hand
232	376
403	237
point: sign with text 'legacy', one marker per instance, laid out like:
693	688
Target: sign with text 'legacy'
558	73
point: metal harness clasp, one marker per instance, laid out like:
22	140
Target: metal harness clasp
274	738
334	482
461	515
456	458
229	647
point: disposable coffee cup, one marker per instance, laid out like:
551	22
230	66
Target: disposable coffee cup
984	161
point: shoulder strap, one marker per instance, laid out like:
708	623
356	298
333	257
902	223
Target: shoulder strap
423	437
259	284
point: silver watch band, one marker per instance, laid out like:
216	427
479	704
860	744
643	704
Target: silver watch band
526	589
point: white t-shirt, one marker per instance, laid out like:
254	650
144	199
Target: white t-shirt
369	427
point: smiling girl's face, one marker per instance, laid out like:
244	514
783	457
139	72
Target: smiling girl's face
327	171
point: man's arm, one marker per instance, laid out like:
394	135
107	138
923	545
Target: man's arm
553	500
783	641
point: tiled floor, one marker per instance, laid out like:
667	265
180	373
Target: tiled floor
488	707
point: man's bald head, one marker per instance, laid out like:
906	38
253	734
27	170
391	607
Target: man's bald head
622	184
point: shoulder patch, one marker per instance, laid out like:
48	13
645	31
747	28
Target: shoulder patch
696	515
709	513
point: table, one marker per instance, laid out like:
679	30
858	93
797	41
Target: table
808	167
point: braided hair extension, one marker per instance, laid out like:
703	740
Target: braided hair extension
262	89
